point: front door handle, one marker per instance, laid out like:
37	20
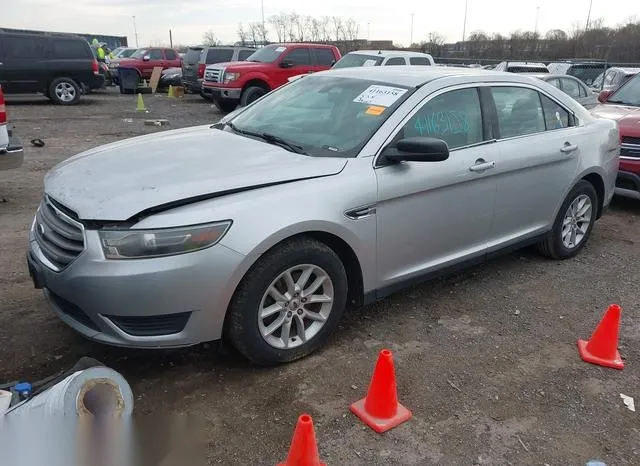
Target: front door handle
568	148
481	165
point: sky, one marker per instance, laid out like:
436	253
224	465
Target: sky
378	19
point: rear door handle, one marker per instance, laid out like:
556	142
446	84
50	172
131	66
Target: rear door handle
568	148
481	166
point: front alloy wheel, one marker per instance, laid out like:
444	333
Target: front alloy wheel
288	303
295	306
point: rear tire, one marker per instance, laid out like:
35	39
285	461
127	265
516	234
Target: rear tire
298	310
573	224
64	91
251	94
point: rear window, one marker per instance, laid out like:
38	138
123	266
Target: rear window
63	48
527	69
170	54
215	55
422	61
351	60
192	56
244	54
24	47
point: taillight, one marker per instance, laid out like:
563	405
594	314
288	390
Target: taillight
3	109
201	68
96	67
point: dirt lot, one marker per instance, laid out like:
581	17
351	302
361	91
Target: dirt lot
504	334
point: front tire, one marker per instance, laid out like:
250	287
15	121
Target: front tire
288	303
251	94
64	91
574	223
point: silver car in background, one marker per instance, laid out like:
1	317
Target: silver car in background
330	192
571	86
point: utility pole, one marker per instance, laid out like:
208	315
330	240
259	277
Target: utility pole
535	31
464	26
135	30
170	39
411	41
263	30
588	16
368	32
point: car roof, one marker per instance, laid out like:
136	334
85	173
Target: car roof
301	44
525	64
413	76
545	76
626	71
389	53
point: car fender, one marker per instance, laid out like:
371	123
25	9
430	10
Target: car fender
257	75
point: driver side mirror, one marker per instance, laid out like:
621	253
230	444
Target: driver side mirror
146	58
604	95
417	149
286	64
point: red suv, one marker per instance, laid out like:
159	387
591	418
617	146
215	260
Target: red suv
243	82
145	60
623	105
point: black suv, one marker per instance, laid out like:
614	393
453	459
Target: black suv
62	67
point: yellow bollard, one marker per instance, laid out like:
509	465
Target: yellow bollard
141	107
171	94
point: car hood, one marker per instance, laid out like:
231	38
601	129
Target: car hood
238	65
628	117
118	181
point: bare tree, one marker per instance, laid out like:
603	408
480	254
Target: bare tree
209	38
242	35
291	26
279	25
303	27
325	28
351	30
264	33
315	30
337	28
434	43
255	33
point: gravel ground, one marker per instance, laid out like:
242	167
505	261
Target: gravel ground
486	360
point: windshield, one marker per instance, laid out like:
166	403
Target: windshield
126	53
629	94
267	54
326	116
139	53
351	60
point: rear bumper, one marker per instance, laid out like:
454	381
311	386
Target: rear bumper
221	93
94	82
12	153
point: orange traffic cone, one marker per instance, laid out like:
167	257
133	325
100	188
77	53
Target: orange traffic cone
602	349
304	448
380	409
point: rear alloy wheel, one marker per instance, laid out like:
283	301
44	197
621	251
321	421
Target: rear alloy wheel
573	224
64	91
288	303
251	94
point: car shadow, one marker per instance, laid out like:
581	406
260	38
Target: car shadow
625	204
40	100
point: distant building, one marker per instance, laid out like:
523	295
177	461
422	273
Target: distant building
111	41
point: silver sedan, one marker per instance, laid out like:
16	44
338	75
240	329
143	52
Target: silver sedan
573	87
330	192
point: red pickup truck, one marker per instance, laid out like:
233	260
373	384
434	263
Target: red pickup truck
233	83
623	105
145	60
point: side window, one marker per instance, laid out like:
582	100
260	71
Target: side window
170	54
610	78
555	116
299	57
218	55
422	61
64	48
155	54
554	82
324	57
395	61
454	117
571	87
519	111
24	48
244	54
583	90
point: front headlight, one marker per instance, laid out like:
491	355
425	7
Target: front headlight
139	244
228	77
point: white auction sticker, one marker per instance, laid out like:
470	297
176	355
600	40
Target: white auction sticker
281	49
384	96
369	63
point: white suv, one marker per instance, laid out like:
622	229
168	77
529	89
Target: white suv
383	58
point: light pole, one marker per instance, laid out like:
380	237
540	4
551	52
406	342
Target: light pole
464	26
135	30
411	40
368	32
262	4
535	30
588	16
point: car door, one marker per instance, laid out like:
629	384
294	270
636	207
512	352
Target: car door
539	151
156	58
24	63
434	214
172	59
296	61
323	58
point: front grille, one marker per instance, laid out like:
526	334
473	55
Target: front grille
213	75
72	311
152	326
630	150
630	140
60	238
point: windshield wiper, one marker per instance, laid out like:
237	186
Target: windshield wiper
622	102
270	138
